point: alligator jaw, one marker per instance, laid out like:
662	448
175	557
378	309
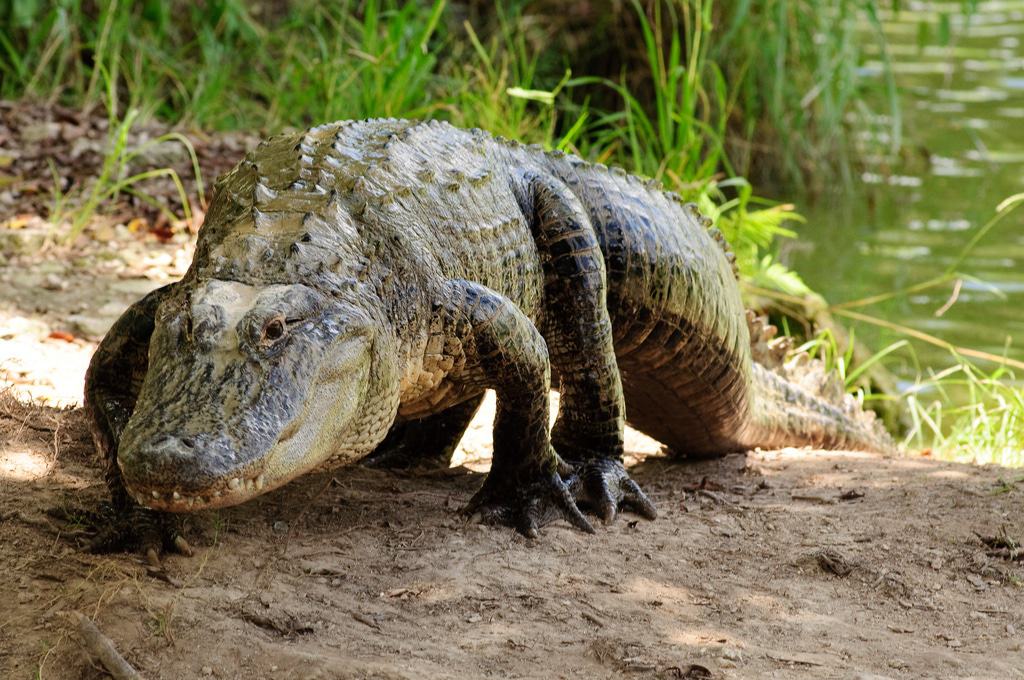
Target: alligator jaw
231	492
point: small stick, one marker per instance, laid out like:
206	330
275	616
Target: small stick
365	620
103	648
952	298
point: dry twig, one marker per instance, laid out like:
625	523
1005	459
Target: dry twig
102	647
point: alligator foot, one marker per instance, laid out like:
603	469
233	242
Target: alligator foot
603	487
134	528
529	507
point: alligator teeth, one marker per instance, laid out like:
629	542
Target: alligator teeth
156	494
176	496
259	483
216	494
234	484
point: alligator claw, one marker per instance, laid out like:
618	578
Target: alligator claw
529	509
134	528
182	546
153	544
604	487
153	558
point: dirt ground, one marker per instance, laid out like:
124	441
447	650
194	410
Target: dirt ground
789	563
779	564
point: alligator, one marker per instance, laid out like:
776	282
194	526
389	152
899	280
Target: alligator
358	286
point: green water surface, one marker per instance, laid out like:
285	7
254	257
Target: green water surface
910	214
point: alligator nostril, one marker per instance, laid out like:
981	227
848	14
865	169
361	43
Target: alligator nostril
188	442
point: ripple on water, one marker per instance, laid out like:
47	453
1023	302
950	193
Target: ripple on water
939	225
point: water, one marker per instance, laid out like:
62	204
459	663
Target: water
910	215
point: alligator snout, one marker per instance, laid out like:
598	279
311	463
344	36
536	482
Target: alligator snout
191	466
174	447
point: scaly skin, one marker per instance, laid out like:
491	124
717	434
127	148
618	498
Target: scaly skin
372	277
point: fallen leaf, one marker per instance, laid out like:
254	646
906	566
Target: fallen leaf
20	221
61	335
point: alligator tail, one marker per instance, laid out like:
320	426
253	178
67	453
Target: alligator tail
800	402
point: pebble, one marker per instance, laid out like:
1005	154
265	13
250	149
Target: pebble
977	581
55	282
37	132
91	326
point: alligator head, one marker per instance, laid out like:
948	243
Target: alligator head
247	388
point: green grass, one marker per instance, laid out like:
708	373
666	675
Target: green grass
962	412
793	62
494	84
970	411
214	65
71	212
967	414
218	64
78	209
717	81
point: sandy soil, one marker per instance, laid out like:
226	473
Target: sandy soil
793	563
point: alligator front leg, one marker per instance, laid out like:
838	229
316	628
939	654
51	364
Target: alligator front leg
112	385
591	417
499	347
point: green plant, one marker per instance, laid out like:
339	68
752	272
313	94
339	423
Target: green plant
964	413
354	62
114	176
678	138
495	87
793	67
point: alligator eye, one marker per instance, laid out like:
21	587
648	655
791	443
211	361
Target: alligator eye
273	331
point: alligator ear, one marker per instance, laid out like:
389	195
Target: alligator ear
343	319
291	301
